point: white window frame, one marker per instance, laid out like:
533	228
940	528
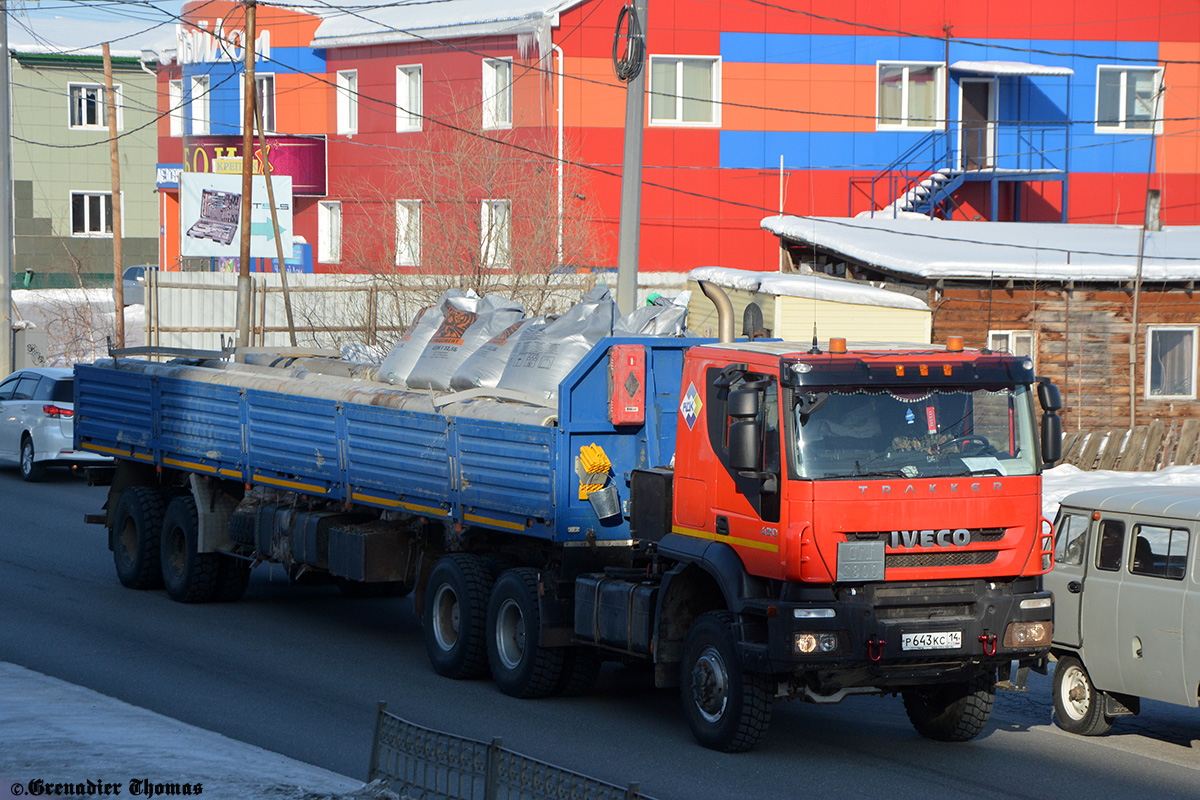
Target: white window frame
497	92
1150	331
408	233
347	102
198	105
677	120
175	107
75	95
495	233
939	122
1156	112
409	104
105	232
329	231
1010	338
261	82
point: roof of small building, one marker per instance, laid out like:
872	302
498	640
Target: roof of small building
810	286
410	20
1037	251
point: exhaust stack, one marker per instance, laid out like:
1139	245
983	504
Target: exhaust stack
724	310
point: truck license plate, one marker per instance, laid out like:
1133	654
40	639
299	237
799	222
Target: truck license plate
941	640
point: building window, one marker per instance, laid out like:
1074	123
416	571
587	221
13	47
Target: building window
684	91
175	107
198	106
329	234
1159	552
910	96
347	102
408	98
408	233
1125	99
497	93
1017	343
265	90
88	109
495	231
91	214
1171	364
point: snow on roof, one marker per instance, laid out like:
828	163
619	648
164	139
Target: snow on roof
51	50
395	21
811	286
1009	68
1044	251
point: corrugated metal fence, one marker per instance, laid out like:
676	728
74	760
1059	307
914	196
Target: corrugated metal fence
1144	448
424	764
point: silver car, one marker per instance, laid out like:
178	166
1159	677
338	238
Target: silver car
37	422
133	284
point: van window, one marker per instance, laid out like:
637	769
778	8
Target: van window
1159	552
1112	538
1068	547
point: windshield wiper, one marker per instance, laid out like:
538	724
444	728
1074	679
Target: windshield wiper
891	473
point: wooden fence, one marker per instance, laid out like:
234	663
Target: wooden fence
1143	449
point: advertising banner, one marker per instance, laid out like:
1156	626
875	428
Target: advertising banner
210	215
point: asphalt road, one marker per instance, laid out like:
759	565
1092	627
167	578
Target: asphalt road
300	670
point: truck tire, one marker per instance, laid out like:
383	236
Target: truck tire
455	615
581	667
233	576
727	708
1078	705
188	576
31	471
136	532
952	712
521	666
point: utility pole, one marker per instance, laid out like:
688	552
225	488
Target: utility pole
632	71
110	102
6	204
243	281
283	279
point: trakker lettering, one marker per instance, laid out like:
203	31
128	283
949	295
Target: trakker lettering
959	537
953	488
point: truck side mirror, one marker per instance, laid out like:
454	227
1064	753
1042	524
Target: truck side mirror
1051	438
745	436
1049	396
742	404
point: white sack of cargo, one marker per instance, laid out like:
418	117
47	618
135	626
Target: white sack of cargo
461	333
545	354
666	320
483	368
400	361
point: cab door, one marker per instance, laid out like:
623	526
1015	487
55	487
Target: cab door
1101	601
1066	580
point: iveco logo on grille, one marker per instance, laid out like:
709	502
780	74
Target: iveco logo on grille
959	537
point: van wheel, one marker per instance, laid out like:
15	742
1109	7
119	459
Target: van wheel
1078	706
136	532
954	712
727	709
188	576
521	666
455	614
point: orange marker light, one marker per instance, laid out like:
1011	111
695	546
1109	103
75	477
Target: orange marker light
954	344
900	370
837	345
924	371
945	369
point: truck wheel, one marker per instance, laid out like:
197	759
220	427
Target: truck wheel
136	531
1078	706
521	666
581	667
727	709
31	471
189	576
953	712
233	576
455	615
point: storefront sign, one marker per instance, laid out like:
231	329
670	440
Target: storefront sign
302	158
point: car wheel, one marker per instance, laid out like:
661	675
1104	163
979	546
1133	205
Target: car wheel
32	471
1078	705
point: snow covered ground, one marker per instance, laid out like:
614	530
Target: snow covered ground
78	322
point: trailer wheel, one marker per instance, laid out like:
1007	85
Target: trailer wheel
521	666
233	576
727	709
136	531
1078	705
581	667
953	712
455	615
189	576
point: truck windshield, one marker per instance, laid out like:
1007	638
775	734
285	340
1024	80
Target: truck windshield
943	432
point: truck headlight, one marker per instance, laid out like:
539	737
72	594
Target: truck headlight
1028	634
807	644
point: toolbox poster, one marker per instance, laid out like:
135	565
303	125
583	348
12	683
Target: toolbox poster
212	212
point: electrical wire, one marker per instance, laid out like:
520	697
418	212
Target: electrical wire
628	65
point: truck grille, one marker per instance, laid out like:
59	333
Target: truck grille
977	535
956	559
